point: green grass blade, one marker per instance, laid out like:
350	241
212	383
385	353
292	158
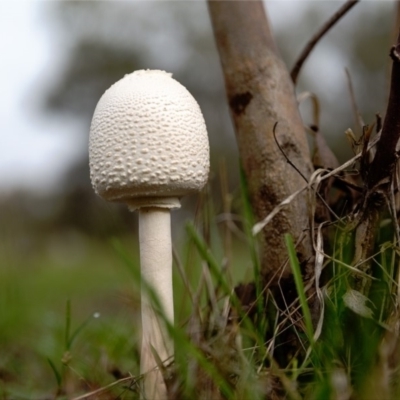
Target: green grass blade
79	329
294	263
127	259
257	333
248	223
67	325
187	348
56	373
207	256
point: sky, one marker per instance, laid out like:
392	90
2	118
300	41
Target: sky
36	149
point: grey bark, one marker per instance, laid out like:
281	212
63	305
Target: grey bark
260	93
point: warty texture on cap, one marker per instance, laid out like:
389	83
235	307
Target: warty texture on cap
148	139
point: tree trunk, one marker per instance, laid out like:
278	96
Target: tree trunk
260	93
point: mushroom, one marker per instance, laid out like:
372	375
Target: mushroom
148	147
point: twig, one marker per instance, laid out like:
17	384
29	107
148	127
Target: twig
299	172
284	154
259	226
316	108
315	39
105	388
356	112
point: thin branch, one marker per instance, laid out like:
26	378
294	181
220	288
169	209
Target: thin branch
105	388
317	37
284	154
316	108
357	114
299	172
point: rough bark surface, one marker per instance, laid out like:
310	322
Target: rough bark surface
260	93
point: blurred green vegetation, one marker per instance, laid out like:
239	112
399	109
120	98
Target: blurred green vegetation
35	284
58	246
45	263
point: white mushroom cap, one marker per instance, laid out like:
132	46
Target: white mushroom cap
148	142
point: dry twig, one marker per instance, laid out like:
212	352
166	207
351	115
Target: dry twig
105	388
317	37
319	175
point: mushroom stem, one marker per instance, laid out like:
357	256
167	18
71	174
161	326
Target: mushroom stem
156	271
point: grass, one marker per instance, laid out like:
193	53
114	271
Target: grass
33	297
70	319
51	290
298	280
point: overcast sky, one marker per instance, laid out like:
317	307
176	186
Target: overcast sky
35	150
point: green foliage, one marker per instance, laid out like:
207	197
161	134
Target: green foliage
298	279
34	288
227	345
69	338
